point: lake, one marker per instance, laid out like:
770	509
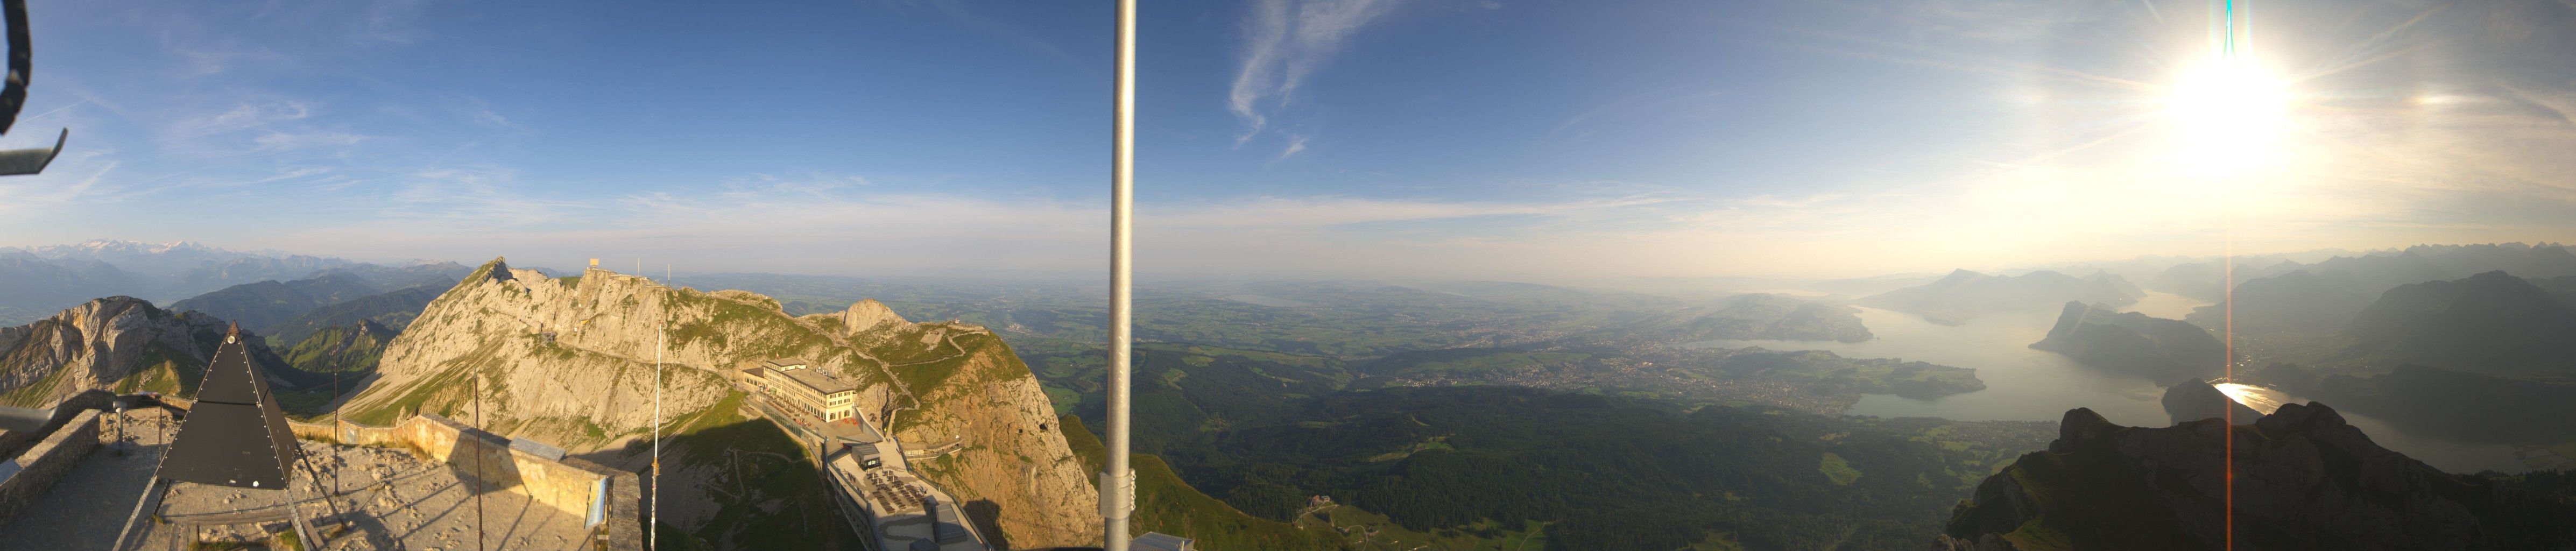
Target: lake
2030	385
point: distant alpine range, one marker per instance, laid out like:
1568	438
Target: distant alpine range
37	281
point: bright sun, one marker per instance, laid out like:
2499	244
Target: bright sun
2229	118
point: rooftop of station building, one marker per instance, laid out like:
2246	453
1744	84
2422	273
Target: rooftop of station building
821	381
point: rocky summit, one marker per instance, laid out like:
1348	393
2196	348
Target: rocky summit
2303	479
572	361
117	343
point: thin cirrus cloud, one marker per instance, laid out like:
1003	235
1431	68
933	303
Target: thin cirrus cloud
1286	41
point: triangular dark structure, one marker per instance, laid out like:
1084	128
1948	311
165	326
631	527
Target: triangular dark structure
234	435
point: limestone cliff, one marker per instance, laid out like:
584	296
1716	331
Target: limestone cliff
117	343
571	361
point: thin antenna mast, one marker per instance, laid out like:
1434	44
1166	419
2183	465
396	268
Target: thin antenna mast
1118	486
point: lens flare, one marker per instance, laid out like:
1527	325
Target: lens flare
2229	117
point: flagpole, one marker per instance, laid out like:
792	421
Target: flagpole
1118	486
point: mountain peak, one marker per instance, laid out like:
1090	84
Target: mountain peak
869	315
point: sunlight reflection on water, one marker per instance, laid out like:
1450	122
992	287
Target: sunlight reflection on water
2263	400
2451	456
2026	384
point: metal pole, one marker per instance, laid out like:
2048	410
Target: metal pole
1118	486
478	462
652	532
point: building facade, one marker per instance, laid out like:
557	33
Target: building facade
825	395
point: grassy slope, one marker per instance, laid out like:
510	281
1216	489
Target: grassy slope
766	465
343	348
1165	504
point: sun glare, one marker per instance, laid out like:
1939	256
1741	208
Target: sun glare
2229	118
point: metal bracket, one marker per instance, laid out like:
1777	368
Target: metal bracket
1117	495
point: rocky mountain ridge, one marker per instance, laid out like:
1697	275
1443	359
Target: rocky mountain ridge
2134	344
265	303
45	279
116	343
2303	479
2492	322
2295	301
2322	296
1964	294
394	310
572	361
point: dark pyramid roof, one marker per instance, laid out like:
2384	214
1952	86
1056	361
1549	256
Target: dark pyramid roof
234	435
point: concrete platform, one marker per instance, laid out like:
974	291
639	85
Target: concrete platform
388	498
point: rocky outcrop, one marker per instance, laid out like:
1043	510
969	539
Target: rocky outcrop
2131	343
868	315
572	361
2302	479
116	343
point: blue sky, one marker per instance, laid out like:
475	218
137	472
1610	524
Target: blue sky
1444	138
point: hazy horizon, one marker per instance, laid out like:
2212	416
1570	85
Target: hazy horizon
1612	282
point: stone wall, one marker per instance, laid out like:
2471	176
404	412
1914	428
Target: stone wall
568	484
45	462
14	442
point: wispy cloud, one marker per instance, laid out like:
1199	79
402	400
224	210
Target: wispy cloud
245	116
964	13
1660	104
477	111
273	126
476	199
57	189
1285	41
1296	144
390	21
